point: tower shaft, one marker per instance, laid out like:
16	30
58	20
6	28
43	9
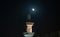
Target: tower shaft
29	26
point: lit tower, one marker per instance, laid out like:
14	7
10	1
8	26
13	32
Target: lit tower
29	26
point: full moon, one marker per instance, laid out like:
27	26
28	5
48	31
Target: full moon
33	9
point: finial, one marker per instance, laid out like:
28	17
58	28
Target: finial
29	17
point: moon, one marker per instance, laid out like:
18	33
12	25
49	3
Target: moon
33	9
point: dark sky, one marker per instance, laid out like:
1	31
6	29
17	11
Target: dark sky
13	16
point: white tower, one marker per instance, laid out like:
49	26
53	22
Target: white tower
29	26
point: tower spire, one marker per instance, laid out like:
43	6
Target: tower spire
29	17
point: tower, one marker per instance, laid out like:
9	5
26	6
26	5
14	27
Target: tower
29	26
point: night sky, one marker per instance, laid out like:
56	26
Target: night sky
13	16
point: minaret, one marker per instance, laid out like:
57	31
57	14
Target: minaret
29	26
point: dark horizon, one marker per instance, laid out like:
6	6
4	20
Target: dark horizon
14	15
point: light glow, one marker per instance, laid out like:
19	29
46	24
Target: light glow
33	9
